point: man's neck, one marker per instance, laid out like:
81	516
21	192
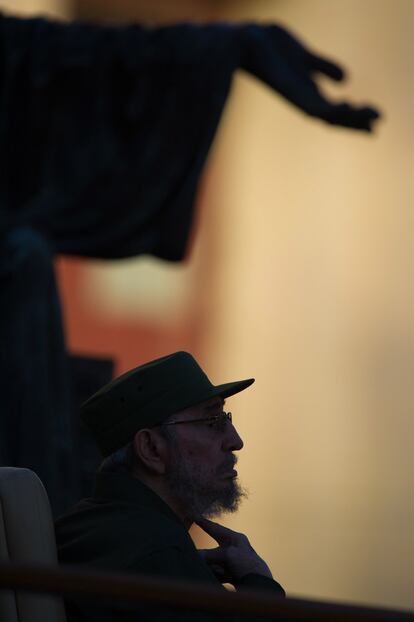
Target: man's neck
160	487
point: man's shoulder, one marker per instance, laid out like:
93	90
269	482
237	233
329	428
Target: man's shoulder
105	517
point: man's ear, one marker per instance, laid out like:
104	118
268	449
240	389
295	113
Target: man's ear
151	449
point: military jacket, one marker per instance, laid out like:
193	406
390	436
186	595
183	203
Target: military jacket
126	527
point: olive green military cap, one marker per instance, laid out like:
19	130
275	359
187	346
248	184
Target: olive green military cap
147	395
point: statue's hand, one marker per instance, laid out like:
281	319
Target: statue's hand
274	56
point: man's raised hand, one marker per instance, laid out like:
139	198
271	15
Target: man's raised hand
277	58
234	557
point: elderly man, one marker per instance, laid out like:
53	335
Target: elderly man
169	462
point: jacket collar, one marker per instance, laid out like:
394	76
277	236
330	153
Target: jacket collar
122	487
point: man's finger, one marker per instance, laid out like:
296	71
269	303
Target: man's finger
221	534
212	556
215	559
218	571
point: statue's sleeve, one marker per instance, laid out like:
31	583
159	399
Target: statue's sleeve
104	131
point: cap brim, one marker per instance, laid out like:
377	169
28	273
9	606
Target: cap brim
222	390
231	388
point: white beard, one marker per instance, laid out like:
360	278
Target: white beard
194	488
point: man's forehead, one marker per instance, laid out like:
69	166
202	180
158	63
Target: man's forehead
209	407
213	404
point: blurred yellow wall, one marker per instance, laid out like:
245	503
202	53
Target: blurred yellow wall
51	8
314	297
310	290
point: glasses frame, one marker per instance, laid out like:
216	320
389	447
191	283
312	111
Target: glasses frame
222	417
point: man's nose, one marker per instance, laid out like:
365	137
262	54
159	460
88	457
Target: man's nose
232	441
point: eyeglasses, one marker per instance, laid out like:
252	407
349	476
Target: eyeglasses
218	421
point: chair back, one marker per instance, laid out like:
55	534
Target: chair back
26	536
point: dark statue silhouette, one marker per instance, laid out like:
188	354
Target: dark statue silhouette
104	132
